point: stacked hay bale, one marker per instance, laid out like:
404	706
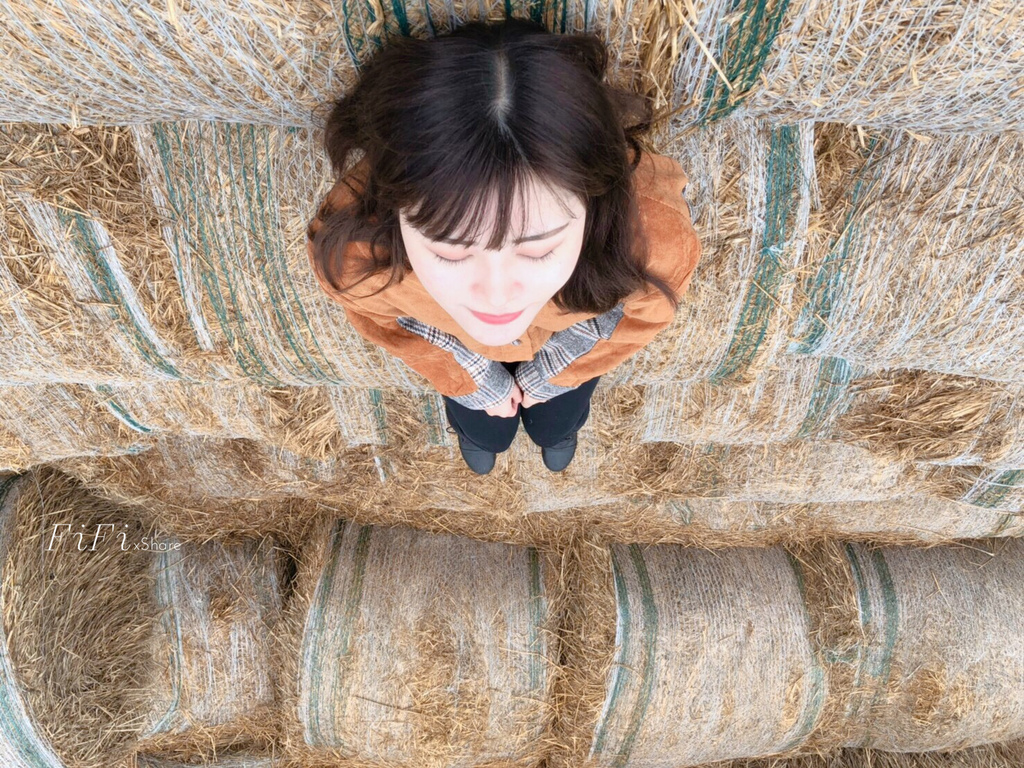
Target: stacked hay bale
412	648
119	639
703	584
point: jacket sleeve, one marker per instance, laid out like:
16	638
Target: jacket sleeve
595	346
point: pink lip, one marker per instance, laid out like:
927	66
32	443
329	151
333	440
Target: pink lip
496	319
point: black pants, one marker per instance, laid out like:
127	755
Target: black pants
546	423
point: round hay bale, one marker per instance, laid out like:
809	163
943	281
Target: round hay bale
44	423
924	646
793	398
119	638
1009	755
79	619
712	660
219	603
49	422
412	648
915	66
794	472
746	653
918	66
749	199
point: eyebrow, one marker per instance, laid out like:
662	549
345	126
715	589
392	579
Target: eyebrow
528	238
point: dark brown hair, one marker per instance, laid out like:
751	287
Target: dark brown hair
443	123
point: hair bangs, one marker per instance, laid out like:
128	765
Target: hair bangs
455	209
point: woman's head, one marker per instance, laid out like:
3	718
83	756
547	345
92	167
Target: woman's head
490	134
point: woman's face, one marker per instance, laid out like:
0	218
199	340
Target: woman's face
518	279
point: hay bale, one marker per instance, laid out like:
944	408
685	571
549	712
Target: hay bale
219	604
747	653
117	644
925	646
900	415
94	297
750	201
915	258
252	64
712	660
79	619
918	66
48	422
794	472
409	648
1009	755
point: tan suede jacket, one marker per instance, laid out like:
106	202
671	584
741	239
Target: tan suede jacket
559	351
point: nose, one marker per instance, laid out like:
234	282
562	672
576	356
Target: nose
496	288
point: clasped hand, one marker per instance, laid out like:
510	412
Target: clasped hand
507	408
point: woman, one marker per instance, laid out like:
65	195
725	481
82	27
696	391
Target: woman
503	234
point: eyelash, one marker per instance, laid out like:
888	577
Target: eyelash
460	261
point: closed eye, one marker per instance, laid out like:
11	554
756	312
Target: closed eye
462	261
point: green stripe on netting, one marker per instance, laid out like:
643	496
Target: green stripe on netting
109	292
996	490
360	45
816	699
432	418
742	52
313	638
192	206
270	259
783	179
350	610
283	275
864	617
536	9
647	670
238	282
891	613
379	414
829	282
338	645
832	383
625	648
538	609
119	410
171	623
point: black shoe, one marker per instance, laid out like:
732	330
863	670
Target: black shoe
477	459
558	457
